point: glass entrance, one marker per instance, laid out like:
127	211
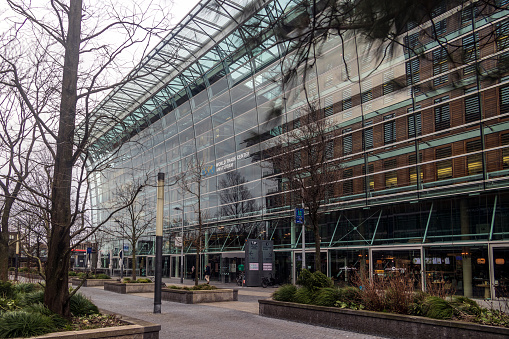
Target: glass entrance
390	263
501	272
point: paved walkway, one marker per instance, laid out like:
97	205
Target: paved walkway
235	319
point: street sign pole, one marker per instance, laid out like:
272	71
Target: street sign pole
299	219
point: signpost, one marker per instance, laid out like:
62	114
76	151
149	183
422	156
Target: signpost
299	219
299	215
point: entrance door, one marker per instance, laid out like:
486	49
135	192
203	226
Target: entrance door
501	272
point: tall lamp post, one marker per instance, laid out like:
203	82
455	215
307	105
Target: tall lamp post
182	246
159	242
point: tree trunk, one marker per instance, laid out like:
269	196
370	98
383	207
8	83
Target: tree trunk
4	240
56	296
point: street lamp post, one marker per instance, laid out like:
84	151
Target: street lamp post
159	242
181	246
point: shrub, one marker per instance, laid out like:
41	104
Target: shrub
81	305
102	276
140	280
416	307
6	289
304	295
25	287
24	324
39	308
285	293
72	274
23	269
35	297
437	308
7	305
11	269
314	281
350	294
327	297
201	287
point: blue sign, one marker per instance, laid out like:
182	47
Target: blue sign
299	215
126	248
89	249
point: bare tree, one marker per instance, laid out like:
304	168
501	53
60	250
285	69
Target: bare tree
64	71
135	219
304	157
17	139
191	183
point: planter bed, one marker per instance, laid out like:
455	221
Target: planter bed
135	328
90	282
200	296
124	288
377	323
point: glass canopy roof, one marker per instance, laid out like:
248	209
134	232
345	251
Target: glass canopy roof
174	54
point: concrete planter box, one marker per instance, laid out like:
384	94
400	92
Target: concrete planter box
136	328
124	288
377	323
196	297
90	282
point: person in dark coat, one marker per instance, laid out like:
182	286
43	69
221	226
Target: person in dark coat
207	273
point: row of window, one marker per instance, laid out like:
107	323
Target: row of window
442	120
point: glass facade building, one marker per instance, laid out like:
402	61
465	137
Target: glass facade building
423	143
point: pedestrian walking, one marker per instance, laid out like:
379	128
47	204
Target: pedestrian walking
193	273
207	273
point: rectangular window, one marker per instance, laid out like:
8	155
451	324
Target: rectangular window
472	110
502	36
391	177
412	71
411	43
329	80
440	65
470	52
439	9
474	161
297	159
442	115
444	167
440	28
367	96
329	149
346	104
414	123
347	142
368	177
467	14
389	130
368	136
504	99
388	86
412	171
329	107
347	184
504	141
